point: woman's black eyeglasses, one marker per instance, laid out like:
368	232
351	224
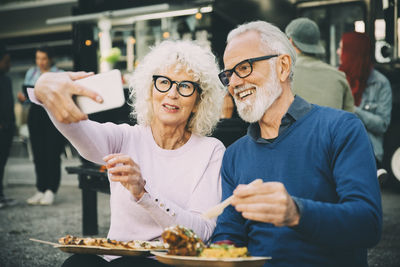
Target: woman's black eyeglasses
242	69
185	88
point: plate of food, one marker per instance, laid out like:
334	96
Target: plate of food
186	249
105	246
215	262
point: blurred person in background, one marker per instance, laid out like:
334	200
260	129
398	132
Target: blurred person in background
7	120
314	80
371	89
46	141
228	107
230	127
163	171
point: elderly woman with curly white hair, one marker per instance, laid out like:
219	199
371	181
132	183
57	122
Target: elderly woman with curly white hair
163	171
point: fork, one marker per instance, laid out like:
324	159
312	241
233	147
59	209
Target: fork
219	208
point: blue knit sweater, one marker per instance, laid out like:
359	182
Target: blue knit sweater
326	163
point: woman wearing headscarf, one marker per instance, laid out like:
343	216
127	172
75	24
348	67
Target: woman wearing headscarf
163	171
371	89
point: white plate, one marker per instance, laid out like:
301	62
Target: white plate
395	162
214	262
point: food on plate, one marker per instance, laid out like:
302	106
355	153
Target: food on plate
108	243
224	251
182	241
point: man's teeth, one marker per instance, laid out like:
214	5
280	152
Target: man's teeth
170	107
246	93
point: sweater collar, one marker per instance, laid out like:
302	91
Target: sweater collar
297	110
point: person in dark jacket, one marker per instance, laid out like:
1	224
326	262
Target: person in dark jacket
7	120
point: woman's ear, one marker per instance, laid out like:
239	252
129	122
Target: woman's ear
283	66
196	105
194	110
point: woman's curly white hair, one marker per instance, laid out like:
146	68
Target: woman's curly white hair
198	62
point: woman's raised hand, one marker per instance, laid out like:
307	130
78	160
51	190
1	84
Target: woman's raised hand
55	92
124	170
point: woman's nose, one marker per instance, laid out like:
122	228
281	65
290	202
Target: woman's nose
173	92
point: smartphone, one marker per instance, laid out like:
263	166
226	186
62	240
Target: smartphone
108	85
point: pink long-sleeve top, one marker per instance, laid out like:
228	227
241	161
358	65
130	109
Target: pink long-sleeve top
181	183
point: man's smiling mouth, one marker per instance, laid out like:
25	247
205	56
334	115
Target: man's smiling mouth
245	93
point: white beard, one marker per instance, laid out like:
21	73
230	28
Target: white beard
264	96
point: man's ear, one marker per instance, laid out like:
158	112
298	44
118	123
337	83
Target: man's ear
283	66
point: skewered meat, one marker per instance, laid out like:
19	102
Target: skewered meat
105	242
182	241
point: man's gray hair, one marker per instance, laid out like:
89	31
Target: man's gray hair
196	61
272	38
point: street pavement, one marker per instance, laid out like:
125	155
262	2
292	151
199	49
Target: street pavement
21	222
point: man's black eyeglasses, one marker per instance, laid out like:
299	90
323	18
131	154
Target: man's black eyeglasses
185	88
242	69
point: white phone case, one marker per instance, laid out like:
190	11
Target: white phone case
108	85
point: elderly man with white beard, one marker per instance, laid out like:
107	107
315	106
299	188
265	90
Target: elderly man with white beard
316	199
